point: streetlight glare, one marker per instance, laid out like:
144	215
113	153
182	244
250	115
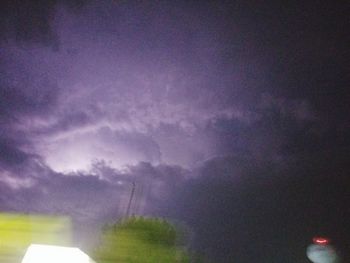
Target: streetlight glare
55	254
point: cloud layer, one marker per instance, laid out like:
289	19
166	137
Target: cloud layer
219	112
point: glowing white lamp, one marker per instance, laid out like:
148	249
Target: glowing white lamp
55	254
321	252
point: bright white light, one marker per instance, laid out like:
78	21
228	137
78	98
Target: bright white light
321	254
55	254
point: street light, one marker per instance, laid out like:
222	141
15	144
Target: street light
321	252
55	254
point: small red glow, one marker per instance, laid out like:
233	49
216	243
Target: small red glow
321	241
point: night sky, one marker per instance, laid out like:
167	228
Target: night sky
232	117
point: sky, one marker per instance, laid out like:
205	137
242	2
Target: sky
231	117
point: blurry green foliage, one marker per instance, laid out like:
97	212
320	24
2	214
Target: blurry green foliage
18	231
141	240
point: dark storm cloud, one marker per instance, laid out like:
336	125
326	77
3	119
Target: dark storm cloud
11	154
245	211
94	197
132	70
23	91
249	99
31	22
25	94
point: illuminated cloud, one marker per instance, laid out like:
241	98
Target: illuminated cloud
93	93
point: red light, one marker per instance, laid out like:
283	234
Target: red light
321	241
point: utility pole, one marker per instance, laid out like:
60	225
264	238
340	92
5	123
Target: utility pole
130	199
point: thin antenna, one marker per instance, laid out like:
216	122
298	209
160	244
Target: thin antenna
130	200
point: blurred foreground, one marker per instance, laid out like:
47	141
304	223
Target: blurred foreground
18	232
141	240
39	238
